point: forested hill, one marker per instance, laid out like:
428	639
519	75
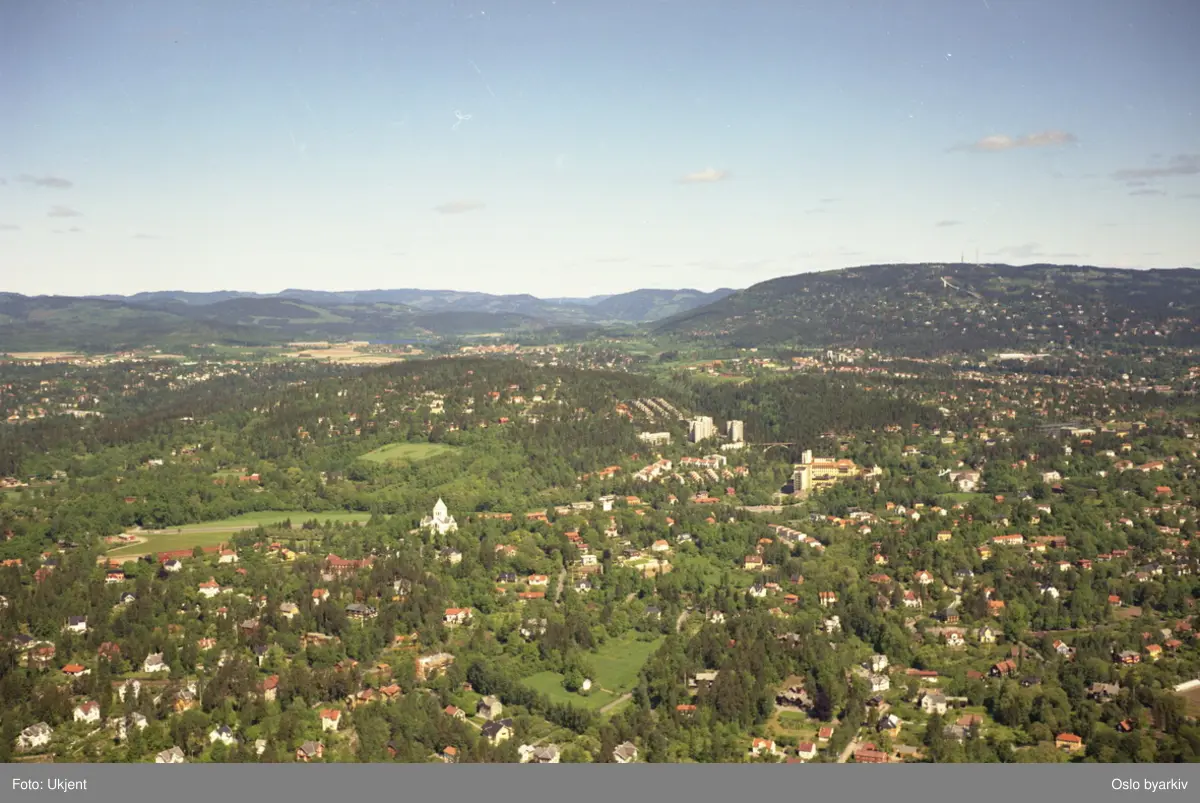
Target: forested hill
170	319
933	308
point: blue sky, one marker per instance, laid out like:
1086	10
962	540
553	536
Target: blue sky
564	147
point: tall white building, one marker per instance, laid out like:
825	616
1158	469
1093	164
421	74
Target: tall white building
701	428
735	431
441	522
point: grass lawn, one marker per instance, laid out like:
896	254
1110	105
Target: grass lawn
617	664
171	542
215	533
406	452
965	498
268	517
550	684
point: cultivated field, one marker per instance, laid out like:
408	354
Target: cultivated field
406	452
352	353
44	355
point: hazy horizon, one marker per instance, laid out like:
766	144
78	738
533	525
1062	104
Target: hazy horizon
562	149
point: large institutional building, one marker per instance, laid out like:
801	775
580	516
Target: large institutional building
735	431
819	473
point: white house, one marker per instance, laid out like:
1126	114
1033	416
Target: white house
625	753
35	736
131	688
330	717
88	712
222	734
548	754
763	748
155	663
934	702
172	756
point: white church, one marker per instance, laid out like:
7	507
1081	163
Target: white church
441	522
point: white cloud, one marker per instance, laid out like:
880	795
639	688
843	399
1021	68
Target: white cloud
1003	142
53	182
706	176
1184	164
459	207
63	211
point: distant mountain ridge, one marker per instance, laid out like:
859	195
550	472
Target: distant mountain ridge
933	308
32	323
637	306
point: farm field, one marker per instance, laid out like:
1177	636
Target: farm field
406	452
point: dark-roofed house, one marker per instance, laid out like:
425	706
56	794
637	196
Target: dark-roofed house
498	731
309	751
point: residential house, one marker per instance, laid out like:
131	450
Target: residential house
625	753
35	736
270	688
87	712
427	666
310	751
934	702
546	754
498	731
359	612
330	719
1069	742
172	756
765	748
1063	649
222	734
489	707
869	754
154	663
